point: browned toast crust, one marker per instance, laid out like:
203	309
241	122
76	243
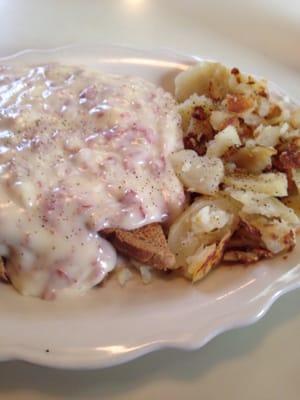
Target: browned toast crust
147	245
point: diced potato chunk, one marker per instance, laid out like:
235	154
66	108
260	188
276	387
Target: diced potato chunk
200	78
216	81
267	135
198	174
222	142
187	108
254	159
258	203
270	183
239	103
276	235
208	219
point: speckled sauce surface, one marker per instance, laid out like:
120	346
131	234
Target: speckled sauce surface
80	151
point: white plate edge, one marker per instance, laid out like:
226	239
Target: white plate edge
86	359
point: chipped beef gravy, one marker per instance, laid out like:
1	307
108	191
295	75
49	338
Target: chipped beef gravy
79	151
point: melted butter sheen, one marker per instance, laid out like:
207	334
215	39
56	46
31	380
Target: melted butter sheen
79	151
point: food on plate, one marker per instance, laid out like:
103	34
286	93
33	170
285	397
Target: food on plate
147	245
198	174
97	167
83	152
242	147
199	236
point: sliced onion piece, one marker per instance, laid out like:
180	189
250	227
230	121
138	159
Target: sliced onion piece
191	232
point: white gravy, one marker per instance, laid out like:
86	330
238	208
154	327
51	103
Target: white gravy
79	151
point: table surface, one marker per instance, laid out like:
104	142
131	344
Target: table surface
261	361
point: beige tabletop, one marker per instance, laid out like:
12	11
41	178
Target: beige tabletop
258	362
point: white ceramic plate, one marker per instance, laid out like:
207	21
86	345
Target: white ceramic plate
111	325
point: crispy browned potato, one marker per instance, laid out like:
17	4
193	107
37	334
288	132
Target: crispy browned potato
205	259
246	256
233	118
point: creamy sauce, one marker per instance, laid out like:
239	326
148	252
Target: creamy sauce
80	151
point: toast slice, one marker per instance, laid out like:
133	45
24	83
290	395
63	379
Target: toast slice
147	245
